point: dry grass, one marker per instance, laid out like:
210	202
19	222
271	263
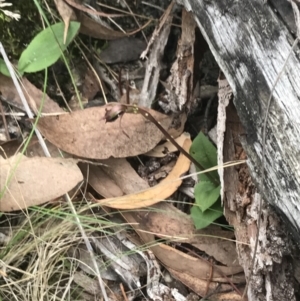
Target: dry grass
34	262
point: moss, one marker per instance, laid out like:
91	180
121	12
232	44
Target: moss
15	35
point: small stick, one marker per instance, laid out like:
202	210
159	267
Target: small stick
117	110
4	121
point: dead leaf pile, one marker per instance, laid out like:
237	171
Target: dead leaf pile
87	148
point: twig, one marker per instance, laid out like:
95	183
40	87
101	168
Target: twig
215	268
117	110
90	11
47	154
135	19
4	121
123	292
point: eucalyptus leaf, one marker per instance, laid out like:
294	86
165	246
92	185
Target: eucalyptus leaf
206	154
204	219
46	47
206	194
3	68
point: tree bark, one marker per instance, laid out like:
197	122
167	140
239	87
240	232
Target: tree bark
252	43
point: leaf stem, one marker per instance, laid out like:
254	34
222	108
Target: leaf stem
148	116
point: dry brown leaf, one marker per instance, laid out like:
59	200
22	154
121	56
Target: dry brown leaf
181	262
222	250
100	181
85	134
90	86
168	147
33	95
66	13
124	175
154	194
203	287
168	222
34	181
34	149
114	178
9	148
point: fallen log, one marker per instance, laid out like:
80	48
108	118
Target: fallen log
254	44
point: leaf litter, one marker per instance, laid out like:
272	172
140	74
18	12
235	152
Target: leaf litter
28	182
85	134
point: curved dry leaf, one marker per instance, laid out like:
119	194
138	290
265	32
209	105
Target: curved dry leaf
34	181
222	250
100	181
114	178
33	95
124	175
157	193
204	287
9	148
181	262
85	134
185	263
67	14
167	221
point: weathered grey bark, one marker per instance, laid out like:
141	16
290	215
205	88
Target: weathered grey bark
251	41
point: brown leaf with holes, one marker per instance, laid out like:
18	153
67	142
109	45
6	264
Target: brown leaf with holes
26	181
85	134
157	193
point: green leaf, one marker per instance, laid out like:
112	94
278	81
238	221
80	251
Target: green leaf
206	154
46	47
204	219
206	194
3	68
